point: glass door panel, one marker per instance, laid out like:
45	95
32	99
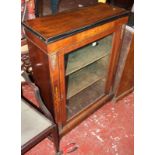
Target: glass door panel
86	71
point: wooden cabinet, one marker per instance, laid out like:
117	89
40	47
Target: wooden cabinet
74	56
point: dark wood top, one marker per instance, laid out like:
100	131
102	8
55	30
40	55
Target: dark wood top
61	25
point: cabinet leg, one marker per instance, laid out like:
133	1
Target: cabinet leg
54	137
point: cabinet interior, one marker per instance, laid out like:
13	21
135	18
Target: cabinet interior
85	74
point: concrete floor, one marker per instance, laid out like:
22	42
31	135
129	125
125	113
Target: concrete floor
109	131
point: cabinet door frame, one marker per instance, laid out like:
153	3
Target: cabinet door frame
114	55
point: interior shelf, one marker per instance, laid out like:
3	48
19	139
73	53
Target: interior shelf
87	55
86	97
86	77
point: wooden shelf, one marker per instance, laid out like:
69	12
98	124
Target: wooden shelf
86	76
88	54
85	98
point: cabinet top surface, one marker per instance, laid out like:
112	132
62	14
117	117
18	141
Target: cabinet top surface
55	27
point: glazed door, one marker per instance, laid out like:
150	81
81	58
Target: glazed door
86	71
87	74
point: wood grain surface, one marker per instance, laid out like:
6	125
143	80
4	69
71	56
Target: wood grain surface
61	25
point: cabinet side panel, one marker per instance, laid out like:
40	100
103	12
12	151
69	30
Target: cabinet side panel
40	67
